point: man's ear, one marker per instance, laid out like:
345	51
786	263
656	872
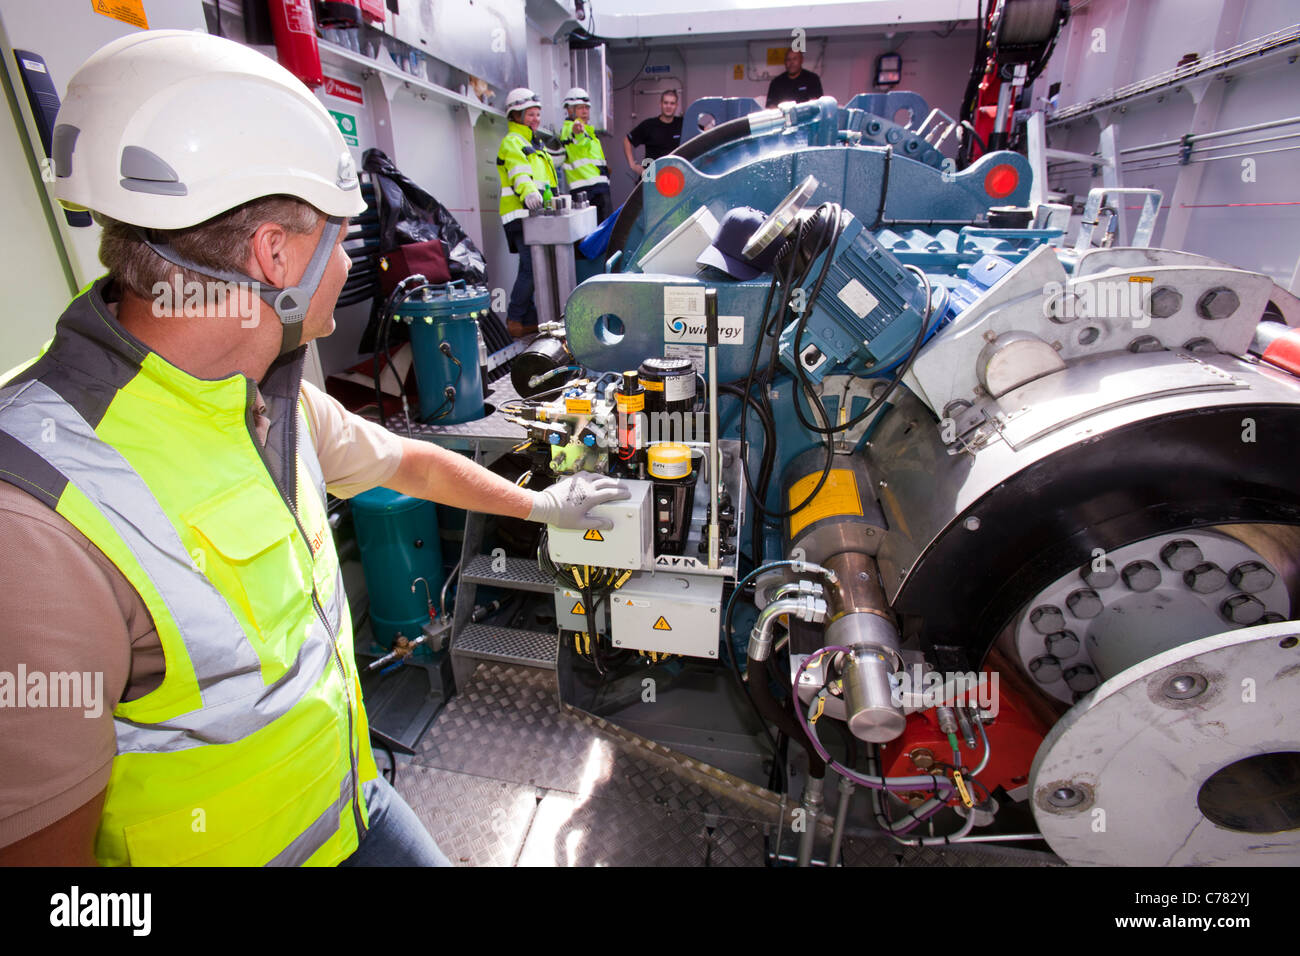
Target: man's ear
268	259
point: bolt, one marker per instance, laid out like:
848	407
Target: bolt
1181	555
1141	576
972	523
922	758
1062	644
1185	686
1200	346
1251	577
1047	619
1242	609
1219	303
1145	343
1164	302
1046	669
1286	642
1065	797
1099	579
1084	603
1081	678
1205	578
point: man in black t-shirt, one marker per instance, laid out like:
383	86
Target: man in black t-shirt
795	84
660	135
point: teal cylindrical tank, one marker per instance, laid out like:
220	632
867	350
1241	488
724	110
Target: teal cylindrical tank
398	537
444	344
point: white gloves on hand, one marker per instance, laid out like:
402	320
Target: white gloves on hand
565	504
533	200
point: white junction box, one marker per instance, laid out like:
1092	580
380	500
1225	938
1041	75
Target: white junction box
571	612
668	613
629	544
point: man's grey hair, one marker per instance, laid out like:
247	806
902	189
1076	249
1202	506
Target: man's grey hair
220	243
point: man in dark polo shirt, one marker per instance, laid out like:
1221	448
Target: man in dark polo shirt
794	85
660	134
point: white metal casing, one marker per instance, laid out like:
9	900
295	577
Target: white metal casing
668	613
628	545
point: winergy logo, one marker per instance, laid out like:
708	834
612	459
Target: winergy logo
75	909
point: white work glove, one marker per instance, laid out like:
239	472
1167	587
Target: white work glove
533	200
565	504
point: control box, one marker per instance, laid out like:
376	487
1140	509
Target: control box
628	545
571	612
668	613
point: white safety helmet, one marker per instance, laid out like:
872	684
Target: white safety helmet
521	98
165	129
577	96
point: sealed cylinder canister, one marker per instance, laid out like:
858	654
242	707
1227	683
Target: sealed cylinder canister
669	461
669	384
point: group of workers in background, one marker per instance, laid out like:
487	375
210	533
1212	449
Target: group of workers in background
528	174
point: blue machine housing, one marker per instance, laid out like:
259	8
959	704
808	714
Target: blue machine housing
869	310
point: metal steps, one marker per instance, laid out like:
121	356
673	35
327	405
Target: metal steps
519	574
507	644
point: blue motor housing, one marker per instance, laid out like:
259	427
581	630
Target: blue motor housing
867	314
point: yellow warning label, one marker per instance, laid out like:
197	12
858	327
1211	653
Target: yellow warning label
662	624
630	404
839	496
650	385
578	609
1141	279
577	406
593	535
775	55
128	11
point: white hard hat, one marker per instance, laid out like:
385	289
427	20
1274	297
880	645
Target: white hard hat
167	128
520	98
577	95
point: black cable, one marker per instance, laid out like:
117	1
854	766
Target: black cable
637	75
893	384
385	322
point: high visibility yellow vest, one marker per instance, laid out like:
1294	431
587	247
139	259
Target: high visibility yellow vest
584	159
254	747
524	167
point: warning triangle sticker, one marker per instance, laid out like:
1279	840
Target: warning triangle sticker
578	609
662	624
593	535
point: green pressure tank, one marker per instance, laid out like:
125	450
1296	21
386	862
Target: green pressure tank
444	345
398	537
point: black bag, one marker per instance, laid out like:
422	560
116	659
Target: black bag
408	214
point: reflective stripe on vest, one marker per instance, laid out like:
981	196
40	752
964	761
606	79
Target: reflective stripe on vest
254	747
227	669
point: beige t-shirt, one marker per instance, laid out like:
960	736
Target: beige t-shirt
64	607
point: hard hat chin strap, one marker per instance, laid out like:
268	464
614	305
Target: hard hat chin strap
290	304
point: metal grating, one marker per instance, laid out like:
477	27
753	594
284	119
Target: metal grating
532	648
519	573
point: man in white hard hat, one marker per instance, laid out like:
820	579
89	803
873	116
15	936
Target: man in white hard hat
527	180
584	158
163	532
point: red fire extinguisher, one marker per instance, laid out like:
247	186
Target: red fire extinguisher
295	39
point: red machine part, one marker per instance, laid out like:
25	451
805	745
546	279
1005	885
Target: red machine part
295	39
1284	351
373	11
1014	735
